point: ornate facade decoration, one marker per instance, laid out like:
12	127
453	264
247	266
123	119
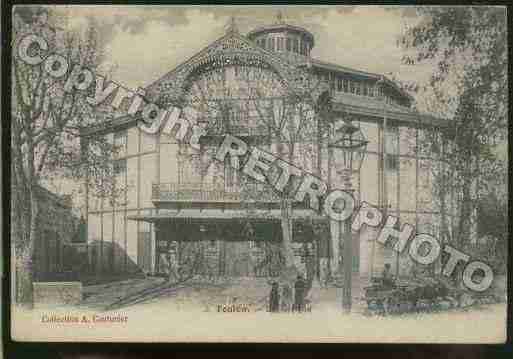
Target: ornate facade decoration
234	49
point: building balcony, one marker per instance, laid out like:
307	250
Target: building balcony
238	130
210	193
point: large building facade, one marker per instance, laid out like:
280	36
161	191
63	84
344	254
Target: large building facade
181	205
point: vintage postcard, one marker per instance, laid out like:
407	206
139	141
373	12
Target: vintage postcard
258	174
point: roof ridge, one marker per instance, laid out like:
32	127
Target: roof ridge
322	62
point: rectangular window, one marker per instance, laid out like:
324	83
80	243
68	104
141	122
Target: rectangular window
339	84
120	141
289	44
392	162
272	44
120	166
255	245
371	90
345	84
280	44
296	45
392	148
365	90
358	86
230	175
352	86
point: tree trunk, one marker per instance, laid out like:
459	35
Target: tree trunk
286	226
464	223
25	265
465	214
286	219
24	277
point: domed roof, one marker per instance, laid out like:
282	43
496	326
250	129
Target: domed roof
281	26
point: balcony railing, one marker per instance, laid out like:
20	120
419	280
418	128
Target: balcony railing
206	192
236	129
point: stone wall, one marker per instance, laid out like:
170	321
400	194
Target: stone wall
57	226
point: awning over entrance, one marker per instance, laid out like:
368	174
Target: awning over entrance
272	214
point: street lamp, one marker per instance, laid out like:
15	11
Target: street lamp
348	144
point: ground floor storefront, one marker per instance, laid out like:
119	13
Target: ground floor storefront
241	247
217	243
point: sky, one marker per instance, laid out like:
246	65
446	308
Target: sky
145	42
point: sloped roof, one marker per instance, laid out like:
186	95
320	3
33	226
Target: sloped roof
342	69
376	107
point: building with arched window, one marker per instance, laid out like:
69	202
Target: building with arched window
181	205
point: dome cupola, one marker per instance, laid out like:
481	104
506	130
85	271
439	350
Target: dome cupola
282	37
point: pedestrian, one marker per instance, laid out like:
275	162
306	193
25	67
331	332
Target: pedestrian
387	276
299	294
274	298
286	297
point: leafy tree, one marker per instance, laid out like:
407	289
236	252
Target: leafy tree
46	124
468	87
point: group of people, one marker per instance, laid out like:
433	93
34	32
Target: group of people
282	300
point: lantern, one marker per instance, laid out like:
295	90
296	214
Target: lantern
349	144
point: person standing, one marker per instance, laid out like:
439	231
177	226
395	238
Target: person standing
274	298
286	297
299	294
388	281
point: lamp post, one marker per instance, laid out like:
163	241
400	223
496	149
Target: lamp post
349	144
